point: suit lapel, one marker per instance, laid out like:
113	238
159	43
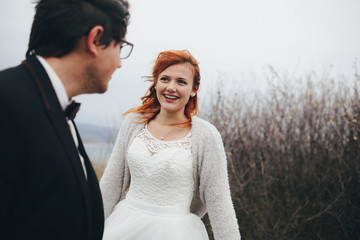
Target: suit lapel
57	118
97	214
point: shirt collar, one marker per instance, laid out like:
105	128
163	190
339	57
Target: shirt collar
56	83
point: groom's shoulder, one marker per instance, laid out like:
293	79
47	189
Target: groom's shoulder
12	72
13	78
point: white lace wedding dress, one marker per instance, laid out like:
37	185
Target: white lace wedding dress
157	205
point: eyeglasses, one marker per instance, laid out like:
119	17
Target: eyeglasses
125	49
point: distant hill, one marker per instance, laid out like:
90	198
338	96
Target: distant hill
96	134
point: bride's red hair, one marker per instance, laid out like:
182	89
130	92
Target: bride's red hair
150	105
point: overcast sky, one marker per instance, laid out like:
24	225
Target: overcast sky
229	37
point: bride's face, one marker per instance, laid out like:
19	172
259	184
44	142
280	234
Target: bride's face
175	86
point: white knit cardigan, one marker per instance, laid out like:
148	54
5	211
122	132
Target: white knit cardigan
212	191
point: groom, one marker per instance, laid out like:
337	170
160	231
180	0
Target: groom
49	190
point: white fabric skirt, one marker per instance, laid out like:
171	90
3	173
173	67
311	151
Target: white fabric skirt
132	220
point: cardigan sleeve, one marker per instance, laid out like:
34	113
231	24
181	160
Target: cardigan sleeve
112	181
214	185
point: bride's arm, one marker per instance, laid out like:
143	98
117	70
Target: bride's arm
112	181
214	185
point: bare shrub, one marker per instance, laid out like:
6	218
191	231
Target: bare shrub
293	155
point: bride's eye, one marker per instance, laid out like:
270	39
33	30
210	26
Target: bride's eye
183	82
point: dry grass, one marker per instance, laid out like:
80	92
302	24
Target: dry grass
293	157
99	169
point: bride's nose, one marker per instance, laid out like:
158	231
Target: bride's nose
171	87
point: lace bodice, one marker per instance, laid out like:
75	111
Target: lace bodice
161	171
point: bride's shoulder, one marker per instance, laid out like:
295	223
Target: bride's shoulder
132	118
204	128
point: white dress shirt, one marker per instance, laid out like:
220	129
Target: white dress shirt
64	101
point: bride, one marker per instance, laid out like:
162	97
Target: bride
168	167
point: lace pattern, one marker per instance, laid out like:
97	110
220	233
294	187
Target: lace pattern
161	171
155	145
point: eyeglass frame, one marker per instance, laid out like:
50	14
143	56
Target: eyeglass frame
127	44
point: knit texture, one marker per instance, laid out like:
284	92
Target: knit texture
211	185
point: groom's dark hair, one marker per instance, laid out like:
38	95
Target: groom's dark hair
59	24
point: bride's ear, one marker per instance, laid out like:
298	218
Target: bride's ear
194	92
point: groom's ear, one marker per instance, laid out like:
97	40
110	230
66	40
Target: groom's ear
93	39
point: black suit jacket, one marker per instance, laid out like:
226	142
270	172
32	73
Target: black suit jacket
44	192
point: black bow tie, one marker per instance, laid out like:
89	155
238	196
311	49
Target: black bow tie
71	110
